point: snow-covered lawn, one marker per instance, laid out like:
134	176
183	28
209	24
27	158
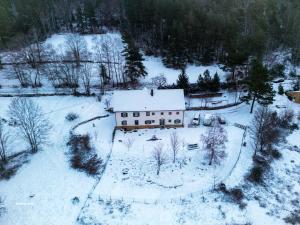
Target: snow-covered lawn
42	190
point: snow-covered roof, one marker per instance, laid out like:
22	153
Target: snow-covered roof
142	100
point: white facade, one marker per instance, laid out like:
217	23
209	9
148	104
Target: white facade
149	108
149	119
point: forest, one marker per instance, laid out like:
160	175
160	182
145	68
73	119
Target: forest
181	32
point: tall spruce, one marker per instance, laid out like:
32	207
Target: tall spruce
259	85
134	67
183	81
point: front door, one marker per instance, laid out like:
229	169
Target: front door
136	122
162	122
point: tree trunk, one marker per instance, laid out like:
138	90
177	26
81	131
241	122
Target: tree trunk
252	105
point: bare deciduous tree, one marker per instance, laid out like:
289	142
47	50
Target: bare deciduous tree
159	81
77	47
265	130
70	75
175	145
86	75
214	143
159	156
22	75
128	142
31	123
4	139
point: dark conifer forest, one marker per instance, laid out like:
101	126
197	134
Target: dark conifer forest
181	31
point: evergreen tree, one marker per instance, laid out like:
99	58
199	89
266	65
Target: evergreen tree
260	88
215	83
134	67
206	80
183	81
103	75
280	89
200	82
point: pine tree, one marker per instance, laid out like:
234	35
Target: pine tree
103	75
260	88
215	83
200	82
183	81
134	68
280	89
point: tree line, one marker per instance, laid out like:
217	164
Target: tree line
190	31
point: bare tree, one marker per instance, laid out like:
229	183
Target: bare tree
21	74
76	47
159	156
86	75
32	124
159	81
265	130
214	143
175	145
4	139
70	75
128	142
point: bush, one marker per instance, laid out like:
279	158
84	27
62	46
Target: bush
294	218
83	156
71	116
276	154
237	194
256	174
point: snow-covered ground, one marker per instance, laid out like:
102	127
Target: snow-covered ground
42	190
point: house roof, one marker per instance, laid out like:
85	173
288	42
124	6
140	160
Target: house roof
142	100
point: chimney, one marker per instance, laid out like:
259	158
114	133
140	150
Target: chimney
152	92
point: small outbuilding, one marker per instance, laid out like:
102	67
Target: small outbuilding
149	108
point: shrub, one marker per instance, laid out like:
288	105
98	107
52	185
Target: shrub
83	156
294	218
71	116
256	174
276	154
237	194
2	208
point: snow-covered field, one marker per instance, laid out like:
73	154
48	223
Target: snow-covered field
42	190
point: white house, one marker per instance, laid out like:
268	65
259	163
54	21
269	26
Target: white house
149	108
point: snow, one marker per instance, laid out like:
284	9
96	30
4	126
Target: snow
42	190
155	67
142	100
48	178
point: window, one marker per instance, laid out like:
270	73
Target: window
170	121
153	121
177	113
162	113
124	114
148	122
147	113
177	121
136	114
124	122
136	122
170	113
153	113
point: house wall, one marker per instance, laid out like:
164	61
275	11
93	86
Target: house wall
296	96
143	117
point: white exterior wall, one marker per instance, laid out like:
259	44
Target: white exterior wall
142	118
